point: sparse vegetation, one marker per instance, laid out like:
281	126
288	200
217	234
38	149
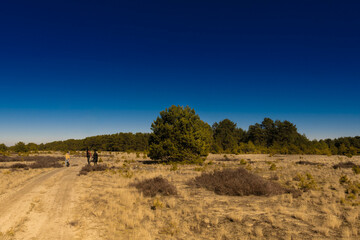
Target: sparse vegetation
109	199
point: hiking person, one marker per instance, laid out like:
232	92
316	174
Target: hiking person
67	159
88	155
95	157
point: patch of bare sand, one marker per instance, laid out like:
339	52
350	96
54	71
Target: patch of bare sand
42	208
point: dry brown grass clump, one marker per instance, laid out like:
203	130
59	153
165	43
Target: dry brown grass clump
88	168
302	162
153	186
50	162
29	158
344	165
19	165
237	182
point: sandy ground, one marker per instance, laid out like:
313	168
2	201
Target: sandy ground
41	208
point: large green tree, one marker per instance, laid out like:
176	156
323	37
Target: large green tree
226	136
179	135
20	147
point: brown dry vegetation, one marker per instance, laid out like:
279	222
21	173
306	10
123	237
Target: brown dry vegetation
155	186
109	206
112	208
26	162
237	182
91	168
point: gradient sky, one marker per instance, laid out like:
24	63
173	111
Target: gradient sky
71	69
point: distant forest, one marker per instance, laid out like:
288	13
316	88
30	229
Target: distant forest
272	137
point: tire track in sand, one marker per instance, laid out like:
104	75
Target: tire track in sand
42	208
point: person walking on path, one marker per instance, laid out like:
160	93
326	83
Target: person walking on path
95	157
67	159
88	155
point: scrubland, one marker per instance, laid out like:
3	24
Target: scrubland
128	197
113	208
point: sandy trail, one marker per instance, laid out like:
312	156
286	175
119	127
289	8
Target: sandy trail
42	209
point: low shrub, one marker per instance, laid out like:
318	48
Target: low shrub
243	162
356	169
238	182
307	182
153	186
309	163
18	165
89	168
46	163
174	167
272	167
30	158
344	165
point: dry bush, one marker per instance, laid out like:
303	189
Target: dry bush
237	182
344	165
38	162
158	185
88	168
30	158
46	162
301	162
4	158
19	165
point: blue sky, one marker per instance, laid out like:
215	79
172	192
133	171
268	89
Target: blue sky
71	69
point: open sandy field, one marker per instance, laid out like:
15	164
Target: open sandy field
57	203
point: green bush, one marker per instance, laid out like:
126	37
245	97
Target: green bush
243	162
356	169
306	182
179	135
272	167
174	167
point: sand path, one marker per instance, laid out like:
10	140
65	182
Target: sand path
42	208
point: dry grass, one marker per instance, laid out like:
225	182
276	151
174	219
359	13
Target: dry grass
10	180
111	209
108	206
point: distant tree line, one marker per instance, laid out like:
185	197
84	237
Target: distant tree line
276	137
121	142
268	136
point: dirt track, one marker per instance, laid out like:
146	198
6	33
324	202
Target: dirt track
41	209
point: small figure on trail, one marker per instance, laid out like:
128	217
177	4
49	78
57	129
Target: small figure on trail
88	155
95	157
67	159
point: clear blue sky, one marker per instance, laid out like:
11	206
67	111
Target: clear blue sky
71	69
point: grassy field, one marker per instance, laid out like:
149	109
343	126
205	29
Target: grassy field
109	204
113	209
